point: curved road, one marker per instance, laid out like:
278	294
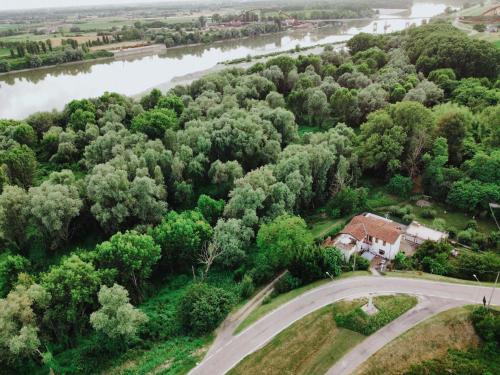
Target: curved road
261	332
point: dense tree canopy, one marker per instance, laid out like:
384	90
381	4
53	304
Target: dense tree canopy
115	197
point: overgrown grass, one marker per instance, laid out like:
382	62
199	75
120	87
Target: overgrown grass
432	277
314	343
303	129
389	308
163	346
430	339
4	52
310	346
281	299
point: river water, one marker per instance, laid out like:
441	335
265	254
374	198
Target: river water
24	93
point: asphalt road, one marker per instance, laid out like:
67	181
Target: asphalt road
261	332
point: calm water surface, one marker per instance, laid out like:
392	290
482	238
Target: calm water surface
22	94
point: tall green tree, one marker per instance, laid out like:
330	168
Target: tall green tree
116	318
132	256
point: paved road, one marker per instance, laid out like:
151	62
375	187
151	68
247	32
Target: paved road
427	307
260	333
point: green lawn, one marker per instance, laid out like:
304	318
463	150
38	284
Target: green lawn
313	344
281	299
320	225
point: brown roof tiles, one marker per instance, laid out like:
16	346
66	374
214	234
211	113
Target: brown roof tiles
361	226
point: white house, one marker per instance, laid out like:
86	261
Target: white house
418	233
376	234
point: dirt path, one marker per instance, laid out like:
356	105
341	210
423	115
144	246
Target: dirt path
225	332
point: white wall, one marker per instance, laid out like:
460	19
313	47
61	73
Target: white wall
390	249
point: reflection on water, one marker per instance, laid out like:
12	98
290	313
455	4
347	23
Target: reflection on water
24	93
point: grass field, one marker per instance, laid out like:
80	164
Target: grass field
281	299
313	344
320	225
432	338
432	277
309	347
4	52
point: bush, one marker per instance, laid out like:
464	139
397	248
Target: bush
402	262
362	264
487	324
401	212
480	28
246	286
439	224
472	238
428	213
286	283
400	185
203	308
408	218
471	224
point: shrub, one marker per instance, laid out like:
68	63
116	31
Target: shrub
362	264
246	286
428	213
439	224
203	308
400	185
286	283
471	224
487	324
408	218
480	28
402	262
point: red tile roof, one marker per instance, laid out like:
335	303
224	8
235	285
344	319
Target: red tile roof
361	226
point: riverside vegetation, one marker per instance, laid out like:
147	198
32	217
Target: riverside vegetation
130	228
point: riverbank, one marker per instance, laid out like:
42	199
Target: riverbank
187	79
46	67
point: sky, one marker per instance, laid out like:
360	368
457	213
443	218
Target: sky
32	4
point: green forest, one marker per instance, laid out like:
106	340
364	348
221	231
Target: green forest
130	228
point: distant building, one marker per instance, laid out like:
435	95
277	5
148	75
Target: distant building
369	232
418	233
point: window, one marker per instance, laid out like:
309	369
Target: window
381	252
384	243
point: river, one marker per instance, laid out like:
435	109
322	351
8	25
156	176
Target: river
24	93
